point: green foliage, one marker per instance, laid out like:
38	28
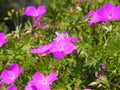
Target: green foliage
99	44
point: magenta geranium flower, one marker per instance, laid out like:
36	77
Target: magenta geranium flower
42	50
9	76
59	49
12	88
94	17
41	82
107	13
3	39
35	13
60	46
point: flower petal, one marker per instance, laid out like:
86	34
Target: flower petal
52	77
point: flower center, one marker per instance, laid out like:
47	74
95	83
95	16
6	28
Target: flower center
12	76
60	48
44	81
110	15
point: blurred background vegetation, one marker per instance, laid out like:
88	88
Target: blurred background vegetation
7	5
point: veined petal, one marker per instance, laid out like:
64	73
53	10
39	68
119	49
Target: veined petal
38	76
94	17
74	39
61	36
3	39
15	69
41	10
31	85
7	77
58	54
30	11
52	77
117	13
12	88
43	49
108	7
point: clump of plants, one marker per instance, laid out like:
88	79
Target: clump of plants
66	45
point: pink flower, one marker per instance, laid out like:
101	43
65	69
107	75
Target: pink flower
109	12
42	50
3	39
63	36
12	88
9	76
41	82
60	46
35	13
94	17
